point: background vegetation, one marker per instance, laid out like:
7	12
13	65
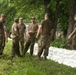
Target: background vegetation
62	12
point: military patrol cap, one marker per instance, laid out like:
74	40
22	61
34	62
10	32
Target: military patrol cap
16	19
3	15
32	17
20	18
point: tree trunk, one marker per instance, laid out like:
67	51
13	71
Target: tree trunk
46	2
72	12
57	12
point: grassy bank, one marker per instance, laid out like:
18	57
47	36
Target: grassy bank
29	66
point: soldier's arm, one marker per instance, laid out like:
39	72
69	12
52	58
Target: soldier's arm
6	34
39	29
24	30
72	33
15	29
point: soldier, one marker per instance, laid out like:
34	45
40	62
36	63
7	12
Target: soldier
5	37
73	35
15	39
46	28
22	32
32	30
2	34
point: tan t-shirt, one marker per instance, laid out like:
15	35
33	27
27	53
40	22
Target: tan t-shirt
21	28
32	27
47	26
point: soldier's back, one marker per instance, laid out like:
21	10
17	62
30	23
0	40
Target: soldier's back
46	26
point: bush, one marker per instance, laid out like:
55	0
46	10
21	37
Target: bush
60	43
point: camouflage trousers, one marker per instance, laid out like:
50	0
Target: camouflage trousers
29	43
15	47
2	44
21	41
43	45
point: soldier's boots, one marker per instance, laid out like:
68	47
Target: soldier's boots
45	58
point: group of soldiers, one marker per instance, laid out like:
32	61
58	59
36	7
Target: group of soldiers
43	32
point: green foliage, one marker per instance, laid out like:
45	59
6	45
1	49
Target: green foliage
21	8
30	66
29	8
59	43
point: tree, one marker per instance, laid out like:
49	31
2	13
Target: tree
72	12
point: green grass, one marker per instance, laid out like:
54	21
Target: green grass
29	66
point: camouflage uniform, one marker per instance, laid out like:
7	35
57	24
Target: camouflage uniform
22	28
31	38
1	37
45	37
15	40
5	35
